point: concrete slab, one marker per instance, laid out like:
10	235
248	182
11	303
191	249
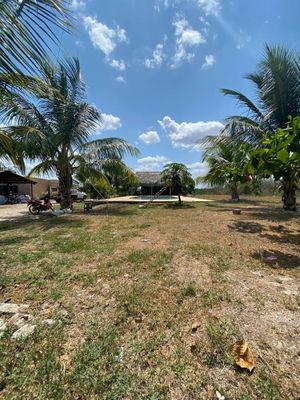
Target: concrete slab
146	199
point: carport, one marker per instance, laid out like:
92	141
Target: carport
10	184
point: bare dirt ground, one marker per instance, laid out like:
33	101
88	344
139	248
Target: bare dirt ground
149	301
11	211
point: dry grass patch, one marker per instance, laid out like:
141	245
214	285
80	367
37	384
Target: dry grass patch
148	302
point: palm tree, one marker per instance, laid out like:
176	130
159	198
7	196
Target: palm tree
277	86
226	164
177	176
55	126
25	28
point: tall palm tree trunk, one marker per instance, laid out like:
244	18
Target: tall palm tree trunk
65	185
179	199
234	192
289	195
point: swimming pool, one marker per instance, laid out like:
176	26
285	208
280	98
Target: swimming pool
153	197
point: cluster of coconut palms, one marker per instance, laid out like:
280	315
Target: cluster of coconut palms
44	114
232	156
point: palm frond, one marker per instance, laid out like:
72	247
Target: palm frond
108	148
10	151
257	78
243	129
277	84
280	92
244	101
45	167
25	28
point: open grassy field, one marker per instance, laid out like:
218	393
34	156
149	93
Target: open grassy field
148	301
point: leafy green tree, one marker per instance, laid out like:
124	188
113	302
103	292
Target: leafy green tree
226	165
279	156
62	122
95	184
112	178
122	179
177	176
277	88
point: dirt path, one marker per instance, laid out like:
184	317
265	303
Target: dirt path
13	211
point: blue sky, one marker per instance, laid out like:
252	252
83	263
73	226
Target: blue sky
155	67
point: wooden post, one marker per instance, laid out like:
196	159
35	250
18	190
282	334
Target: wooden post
31	191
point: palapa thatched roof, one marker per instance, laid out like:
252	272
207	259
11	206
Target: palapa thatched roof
149	178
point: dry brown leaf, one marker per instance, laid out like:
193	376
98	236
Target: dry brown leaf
243	355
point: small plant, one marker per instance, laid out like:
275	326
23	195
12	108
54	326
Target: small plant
189	291
215	296
220	334
267	387
149	258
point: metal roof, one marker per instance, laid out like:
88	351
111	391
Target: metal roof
9	177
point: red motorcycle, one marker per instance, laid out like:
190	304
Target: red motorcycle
36	206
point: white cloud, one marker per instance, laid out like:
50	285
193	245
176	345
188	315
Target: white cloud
158	56
104	38
210	7
186	38
110	122
118	64
242	39
161	3
78	5
187	134
206	26
151	163
120	79
198	168
204	21
150	137
209	61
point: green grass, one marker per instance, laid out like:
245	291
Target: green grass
33	369
201	250
98	366
267	386
149	258
221	335
214	296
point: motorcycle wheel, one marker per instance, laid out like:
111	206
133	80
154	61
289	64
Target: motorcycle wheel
34	210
